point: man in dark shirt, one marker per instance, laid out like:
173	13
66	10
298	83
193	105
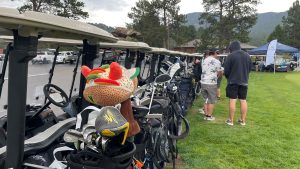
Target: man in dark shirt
236	69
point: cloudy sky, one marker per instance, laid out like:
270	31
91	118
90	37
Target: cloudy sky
114	12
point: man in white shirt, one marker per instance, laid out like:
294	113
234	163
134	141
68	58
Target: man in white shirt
211	67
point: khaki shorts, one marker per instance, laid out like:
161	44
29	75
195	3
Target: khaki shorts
209	93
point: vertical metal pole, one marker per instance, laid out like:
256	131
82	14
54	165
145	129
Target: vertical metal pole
274	61
52	68
127	66
25	49
2	76
89	54
161	58
74	74
141	57
152	67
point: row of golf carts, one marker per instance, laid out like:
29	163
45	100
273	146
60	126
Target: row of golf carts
140	131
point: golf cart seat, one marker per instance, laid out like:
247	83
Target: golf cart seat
42	140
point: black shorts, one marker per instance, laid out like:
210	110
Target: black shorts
234	91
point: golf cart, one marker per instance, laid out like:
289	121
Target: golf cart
40	112
27	28
135	55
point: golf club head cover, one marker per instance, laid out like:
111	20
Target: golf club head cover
126	111
110	123
109	84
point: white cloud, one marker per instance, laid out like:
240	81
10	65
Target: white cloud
188	6
10	4
274	5
114	12
108	5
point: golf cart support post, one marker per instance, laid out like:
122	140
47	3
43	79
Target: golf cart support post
25	49
89	53
2	75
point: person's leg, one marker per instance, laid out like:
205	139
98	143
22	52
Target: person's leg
219	93
212	99
232	108
231	93
244	109
205	108
210	109
205	97
243	103
219	87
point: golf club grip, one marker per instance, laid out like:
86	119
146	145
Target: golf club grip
184	134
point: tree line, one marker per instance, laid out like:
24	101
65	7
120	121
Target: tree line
288	31
66	8
161	24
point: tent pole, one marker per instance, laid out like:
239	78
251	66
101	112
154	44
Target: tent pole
274	61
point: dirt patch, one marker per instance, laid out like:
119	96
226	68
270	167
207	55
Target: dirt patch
178	163
193	111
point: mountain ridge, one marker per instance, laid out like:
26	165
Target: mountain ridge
265	24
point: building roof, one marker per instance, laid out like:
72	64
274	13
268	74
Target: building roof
247	46
190	44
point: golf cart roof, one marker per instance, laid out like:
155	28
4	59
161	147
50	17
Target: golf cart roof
158	50
48	40
197	55
35	23
173	52
126	45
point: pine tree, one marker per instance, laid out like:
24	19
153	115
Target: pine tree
228	20
278	34
159	21
146	20
291	25
67	8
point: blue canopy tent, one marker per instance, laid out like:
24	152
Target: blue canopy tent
281	48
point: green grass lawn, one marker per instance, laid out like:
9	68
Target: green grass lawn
271	138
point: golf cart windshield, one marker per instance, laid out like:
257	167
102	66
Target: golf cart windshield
38	75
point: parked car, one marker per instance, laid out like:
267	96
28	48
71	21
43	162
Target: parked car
108	57
281	65
43	57
2	56
66	56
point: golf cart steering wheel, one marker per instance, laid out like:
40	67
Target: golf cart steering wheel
55	95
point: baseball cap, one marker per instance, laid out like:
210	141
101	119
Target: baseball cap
213	51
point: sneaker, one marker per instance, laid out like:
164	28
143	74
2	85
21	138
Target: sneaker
241	122
229	122
201	111
209	118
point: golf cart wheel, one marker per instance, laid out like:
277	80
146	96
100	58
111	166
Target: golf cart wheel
64	61
71	61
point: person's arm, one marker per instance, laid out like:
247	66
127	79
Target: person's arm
219	69
227	67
